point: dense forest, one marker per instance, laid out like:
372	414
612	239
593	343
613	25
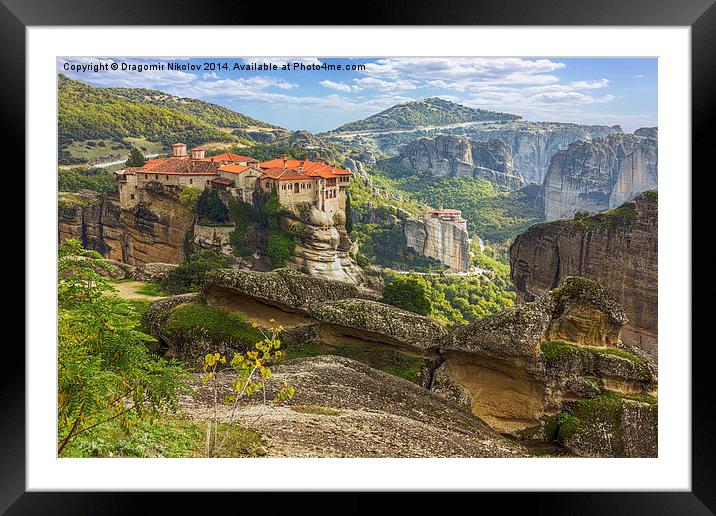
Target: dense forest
432	111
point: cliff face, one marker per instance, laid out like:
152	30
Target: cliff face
618	249
155	231
462	157
534	145
599	174
439	240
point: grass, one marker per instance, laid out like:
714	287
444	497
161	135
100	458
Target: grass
163	436
221	324
316	410
378	357
611	217
151	289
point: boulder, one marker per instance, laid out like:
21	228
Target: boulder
401	327
284	288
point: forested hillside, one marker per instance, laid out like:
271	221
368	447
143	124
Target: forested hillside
104	122
424	112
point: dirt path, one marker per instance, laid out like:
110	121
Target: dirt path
129	290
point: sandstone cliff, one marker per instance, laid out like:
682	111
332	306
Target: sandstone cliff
599	174
462	157
440	240
618	248
153	231
534	144
555	369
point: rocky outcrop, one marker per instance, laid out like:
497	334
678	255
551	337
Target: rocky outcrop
517	369
534	144
648	132
403	328
617	248
215	238
460	156
323	246
343	408
444	241
314	147
156	230
283	288
599	174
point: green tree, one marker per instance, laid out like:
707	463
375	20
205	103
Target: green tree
189	276
211	209
136	158
279	248
105	370
189	198
408	293
349	214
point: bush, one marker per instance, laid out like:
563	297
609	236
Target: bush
189	276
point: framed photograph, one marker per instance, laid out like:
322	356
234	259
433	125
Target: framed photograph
447	252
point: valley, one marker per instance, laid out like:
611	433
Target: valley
439	281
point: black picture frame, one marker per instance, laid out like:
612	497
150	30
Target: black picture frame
700	15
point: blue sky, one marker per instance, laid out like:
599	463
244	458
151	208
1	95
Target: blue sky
586	90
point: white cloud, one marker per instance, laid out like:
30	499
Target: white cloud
340	86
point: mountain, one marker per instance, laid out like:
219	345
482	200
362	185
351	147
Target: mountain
433	111
212	114
104	123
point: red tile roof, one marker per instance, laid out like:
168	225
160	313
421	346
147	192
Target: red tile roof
234	168
284	174
222	181
228	156
176	165
308	168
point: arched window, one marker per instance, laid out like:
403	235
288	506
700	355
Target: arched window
296	187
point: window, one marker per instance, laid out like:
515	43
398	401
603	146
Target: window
191	181
156	176
131	196
146	176
166	177
295	188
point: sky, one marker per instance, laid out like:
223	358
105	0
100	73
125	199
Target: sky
314	94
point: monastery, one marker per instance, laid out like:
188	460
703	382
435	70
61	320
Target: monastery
296	181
